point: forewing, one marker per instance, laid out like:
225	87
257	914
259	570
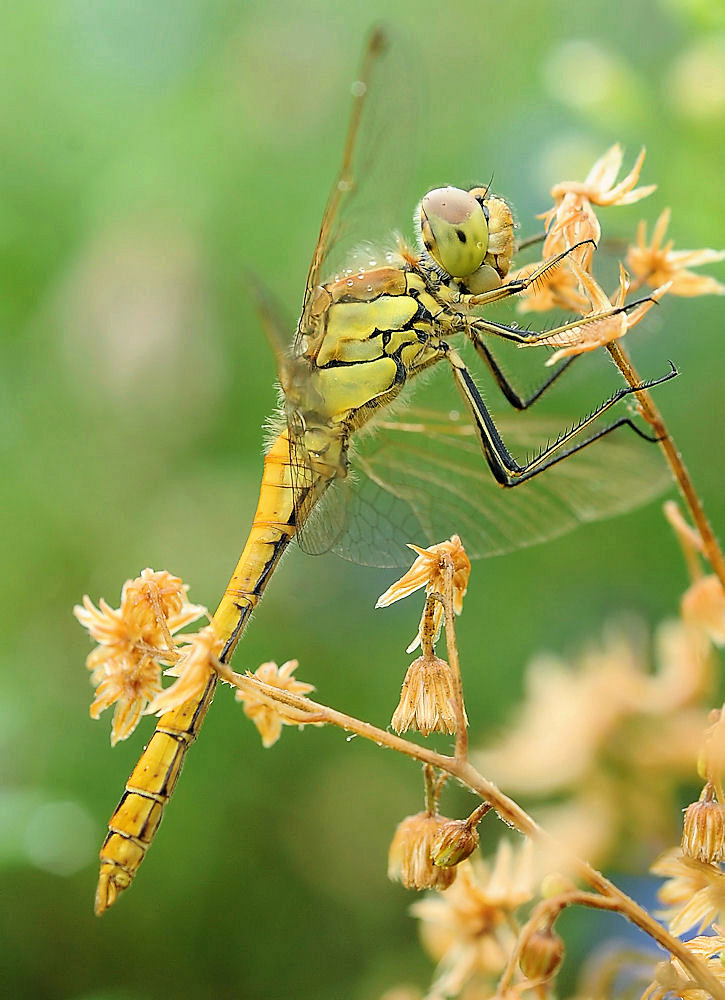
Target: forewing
423	478
371	195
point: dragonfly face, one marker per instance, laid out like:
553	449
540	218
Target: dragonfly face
454	230
468	235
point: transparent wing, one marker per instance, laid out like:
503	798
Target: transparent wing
370	197
423	477
372	193
321	525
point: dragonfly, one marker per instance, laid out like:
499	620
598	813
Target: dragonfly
367	330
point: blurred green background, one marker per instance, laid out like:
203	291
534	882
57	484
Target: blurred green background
151	152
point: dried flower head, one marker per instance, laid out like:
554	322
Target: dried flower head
694	892
703	829
193	669
468	928
703	604
157	601
657	263
600	187
410	857
571	220
541	955
611	326
269	716
133	643
673	980
427	699
429	570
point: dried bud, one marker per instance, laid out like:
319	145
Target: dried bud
427	699
703	831
409	859
454	842
541	955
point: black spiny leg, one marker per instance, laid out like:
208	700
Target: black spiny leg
518	285
512	394
503	465
478	325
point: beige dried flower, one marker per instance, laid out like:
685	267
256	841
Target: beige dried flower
429	571
193	669
703	828
468	928
600	187
130	682
694	892
133	642
571	220
269	717
703	605
657	263
427	699
673	980
410	856
157	601
589	336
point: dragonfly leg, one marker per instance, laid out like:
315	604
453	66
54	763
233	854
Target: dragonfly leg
506	470
478	325
518	285
512	395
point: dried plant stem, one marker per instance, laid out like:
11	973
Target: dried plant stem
304	710
650	412
461	751
512	813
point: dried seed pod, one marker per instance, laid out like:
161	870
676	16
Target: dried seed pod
454	842
409	859
541	955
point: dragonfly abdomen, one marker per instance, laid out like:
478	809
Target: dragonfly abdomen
133	825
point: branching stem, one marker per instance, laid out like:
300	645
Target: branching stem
304	710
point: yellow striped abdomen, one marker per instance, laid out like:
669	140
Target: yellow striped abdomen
137	816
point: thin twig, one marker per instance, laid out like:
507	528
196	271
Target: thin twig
652	415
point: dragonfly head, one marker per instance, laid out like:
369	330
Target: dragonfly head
468	235
454	230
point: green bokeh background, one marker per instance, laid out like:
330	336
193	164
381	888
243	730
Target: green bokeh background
151	152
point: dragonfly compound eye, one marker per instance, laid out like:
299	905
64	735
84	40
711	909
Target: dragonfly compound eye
454	230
